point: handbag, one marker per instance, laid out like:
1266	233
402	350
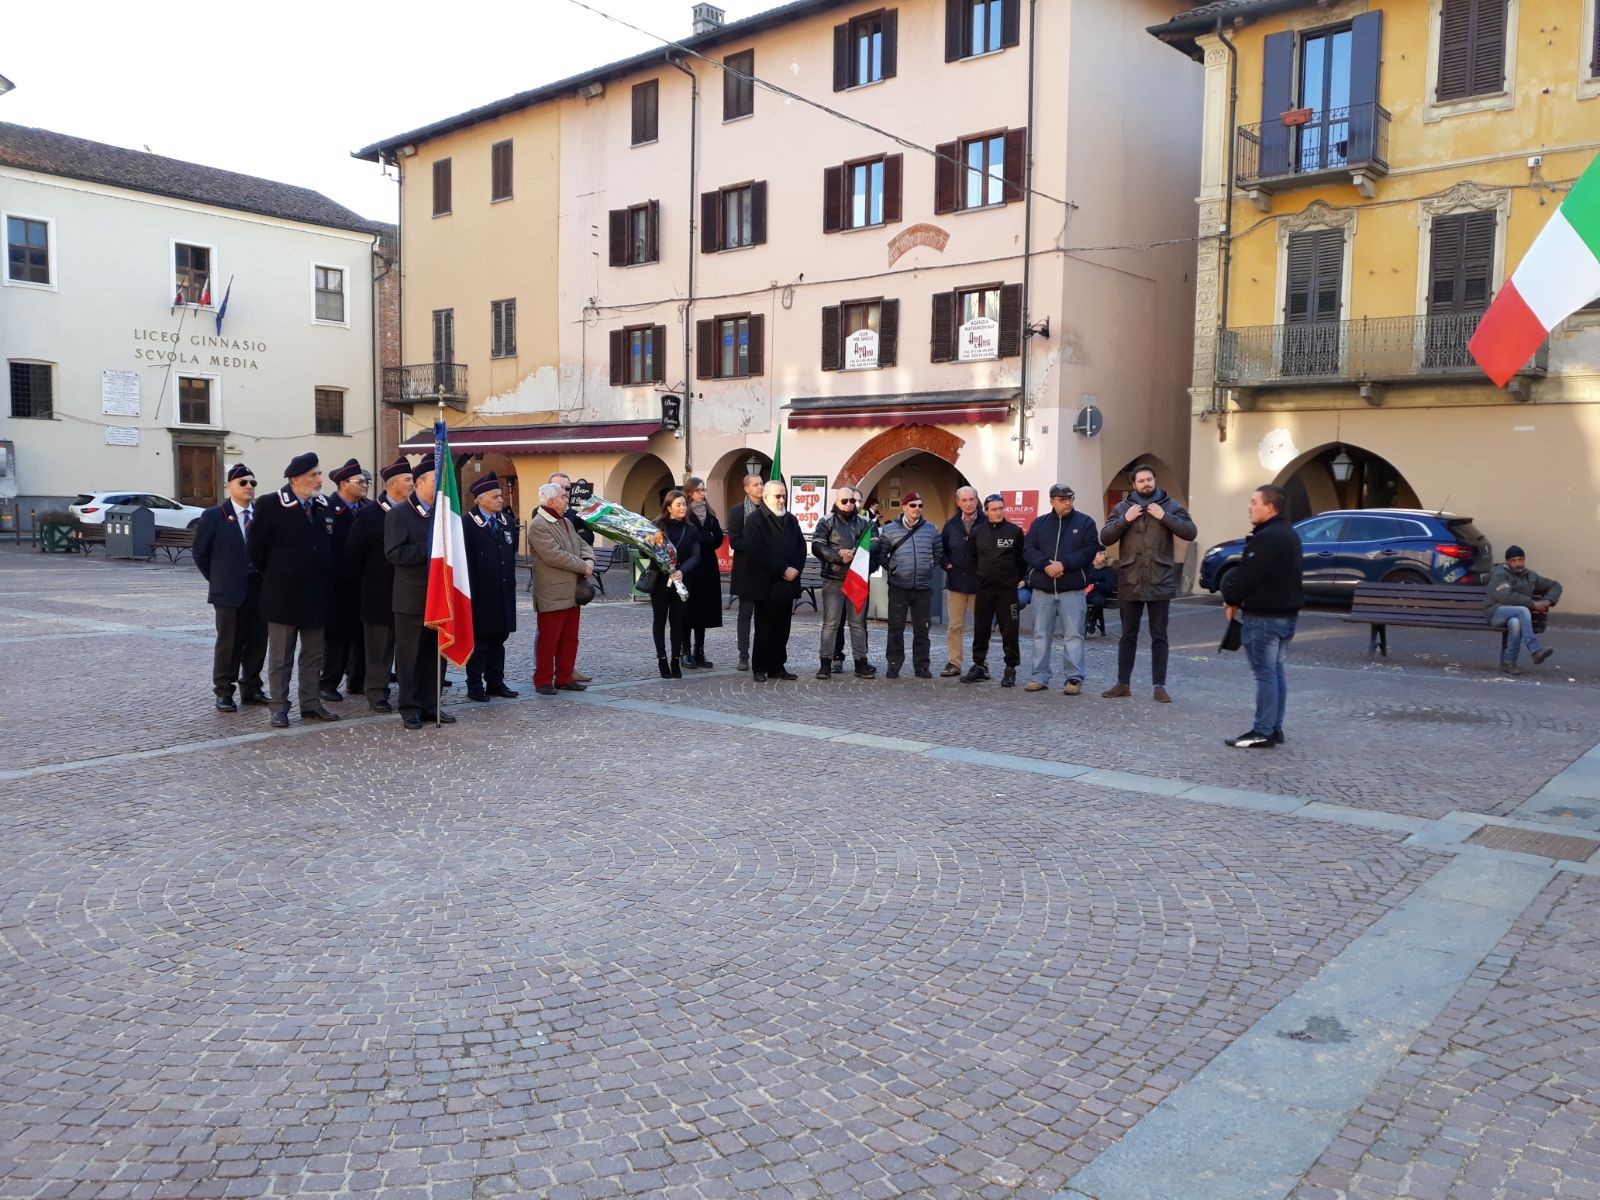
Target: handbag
583	592
1233	636
649	580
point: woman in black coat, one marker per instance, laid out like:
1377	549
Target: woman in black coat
667	607
705	585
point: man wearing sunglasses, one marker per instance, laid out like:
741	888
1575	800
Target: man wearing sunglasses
234	591
909	547
835	543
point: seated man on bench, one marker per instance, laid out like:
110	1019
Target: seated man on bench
1515	594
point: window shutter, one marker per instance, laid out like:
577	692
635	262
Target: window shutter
1461	262
952	29
1489	47
658	353
888	332
705	349
1366	52
710	217
893	187
832	199
758	213
1277	97
1316	266
1010	22
441	187
1455	50
637	135
841	57
1016	164
1010	340
891	39
652	232
832	337
619	237
1594	62
619	356
758	340
941	346
946	173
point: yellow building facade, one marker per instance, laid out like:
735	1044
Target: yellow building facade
1371	174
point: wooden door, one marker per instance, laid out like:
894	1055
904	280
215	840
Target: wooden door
197	475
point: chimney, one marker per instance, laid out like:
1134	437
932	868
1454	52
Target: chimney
707	17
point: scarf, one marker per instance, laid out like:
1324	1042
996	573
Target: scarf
700	509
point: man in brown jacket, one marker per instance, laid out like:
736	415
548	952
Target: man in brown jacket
1142	528
561	558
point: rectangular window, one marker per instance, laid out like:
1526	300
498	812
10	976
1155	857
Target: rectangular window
978	302
738	85
733	342
503	329
864	49
980	171
330	411
733	217
859	195
441	188
738	207
641	355
31	392
983	180
983	26
866	194
444	335
633	234
194	400
976	323
192	268
27	250
645	112
1460	281
1313	300
330	294
730	346
641	235
1472	48
860	335
974	27
500	171
638	355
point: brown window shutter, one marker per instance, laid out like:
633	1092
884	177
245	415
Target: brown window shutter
1010	341
1489	48
619	237
832	337
832	199
652	232
946	176
710	217
1010	22
441	187
758	213
1455	50
941	346
758	344
892	187
1016	164
888	332
841	57
619	356
891	43
637	134
658	353
953	49
705	349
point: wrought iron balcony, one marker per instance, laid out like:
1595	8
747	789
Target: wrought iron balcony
1372	350
426	383
1336	143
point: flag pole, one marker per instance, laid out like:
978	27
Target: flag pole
438	666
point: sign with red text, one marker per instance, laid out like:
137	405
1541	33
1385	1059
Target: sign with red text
1022	507
861	350
980	339
808	501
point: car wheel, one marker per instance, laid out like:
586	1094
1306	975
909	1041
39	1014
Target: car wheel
1410	577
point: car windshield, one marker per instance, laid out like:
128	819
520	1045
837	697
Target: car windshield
83	498
1467	532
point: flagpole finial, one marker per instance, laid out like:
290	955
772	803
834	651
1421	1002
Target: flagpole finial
441	401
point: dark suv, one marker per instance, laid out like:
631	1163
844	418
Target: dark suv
1373	545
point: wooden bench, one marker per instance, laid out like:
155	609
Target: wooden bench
603	558
809	583
174	543
1427	606
87	537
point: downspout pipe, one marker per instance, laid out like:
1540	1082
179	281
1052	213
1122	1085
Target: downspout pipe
1027	241
1227	212
694	250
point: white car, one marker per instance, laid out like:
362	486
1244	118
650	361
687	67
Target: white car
90	508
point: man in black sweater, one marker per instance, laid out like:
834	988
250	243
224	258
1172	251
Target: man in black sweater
994	554
1267	587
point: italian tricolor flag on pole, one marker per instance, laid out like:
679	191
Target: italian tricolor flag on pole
449	604
1559	275
856	586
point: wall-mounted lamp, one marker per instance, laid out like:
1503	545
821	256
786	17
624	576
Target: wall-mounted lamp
1343	466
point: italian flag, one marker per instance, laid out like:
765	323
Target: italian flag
855	583
449	605
1559	275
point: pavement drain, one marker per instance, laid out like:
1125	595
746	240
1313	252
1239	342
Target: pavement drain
1532	841
1322	1031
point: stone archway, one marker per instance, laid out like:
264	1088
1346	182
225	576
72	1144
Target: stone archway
646	479
929	439
725	480
1314	484
1120	484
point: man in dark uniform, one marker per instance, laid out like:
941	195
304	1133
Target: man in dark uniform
344	651
375	575
407	544
777	552
492	570
288	544
234	591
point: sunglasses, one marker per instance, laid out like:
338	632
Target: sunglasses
849	502
914	504
246	482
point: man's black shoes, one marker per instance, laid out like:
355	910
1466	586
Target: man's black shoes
318	714
226	704
412	721
381	706
253	698
758	676
478	695
506	693
786	676
1009	679
333	695
1253	740
976	673
546	689
280	720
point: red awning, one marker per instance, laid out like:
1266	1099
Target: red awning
621	437
943	411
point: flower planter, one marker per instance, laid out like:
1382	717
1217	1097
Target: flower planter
1296	116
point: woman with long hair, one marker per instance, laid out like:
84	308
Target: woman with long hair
705	583
668	608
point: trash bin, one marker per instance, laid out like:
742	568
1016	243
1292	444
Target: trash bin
130	531
878	596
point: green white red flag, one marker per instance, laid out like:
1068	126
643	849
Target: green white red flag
448	608
1559	275
856	585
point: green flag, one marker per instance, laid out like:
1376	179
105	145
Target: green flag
776	474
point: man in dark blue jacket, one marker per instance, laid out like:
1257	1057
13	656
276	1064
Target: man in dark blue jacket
1060	549
492	569
1267	588
961	585
234	591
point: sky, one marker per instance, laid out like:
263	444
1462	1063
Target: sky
286	90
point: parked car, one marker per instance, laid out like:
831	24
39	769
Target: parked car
1373	545
90	508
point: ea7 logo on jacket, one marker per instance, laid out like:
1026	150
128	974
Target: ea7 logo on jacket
1005	543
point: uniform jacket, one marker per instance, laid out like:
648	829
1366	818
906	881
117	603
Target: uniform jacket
774	544
290	549
1268	580
1506	587
1072	541
741	560
1147	568
994	555
908	553
407	544
705	583
364	556
953	550
492	570
558	555
221	555
344	610
835	532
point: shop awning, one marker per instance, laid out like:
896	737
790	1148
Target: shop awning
982	407
618	436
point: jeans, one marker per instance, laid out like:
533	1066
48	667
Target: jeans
918	604
1128	647
1265	640
837	613
1068	608
1518	623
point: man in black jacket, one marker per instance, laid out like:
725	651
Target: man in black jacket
344	653
492	569
836	543
234	591
777	554
372	567
740	583
994	553
1266	586
407	543
1059	549
961	585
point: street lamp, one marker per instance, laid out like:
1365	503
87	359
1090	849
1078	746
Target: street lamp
752	465
1342	467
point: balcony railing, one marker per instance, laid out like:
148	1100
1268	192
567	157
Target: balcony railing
1371	350
426	383
1335	142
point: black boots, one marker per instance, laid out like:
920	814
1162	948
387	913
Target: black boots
677	667
825	671
865	670
666	671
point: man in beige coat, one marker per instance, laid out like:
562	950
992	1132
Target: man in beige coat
561	558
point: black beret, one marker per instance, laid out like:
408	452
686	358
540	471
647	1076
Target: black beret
423	467
487	484
348	471
239	471
300	464
398	467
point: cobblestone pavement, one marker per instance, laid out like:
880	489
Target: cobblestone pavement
568	950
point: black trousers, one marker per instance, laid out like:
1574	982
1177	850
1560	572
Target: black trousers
282	641
487	666
378	647
917	603
770	653
747	613
344	656
996	605
241	645
416	664
1128	647
668	611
